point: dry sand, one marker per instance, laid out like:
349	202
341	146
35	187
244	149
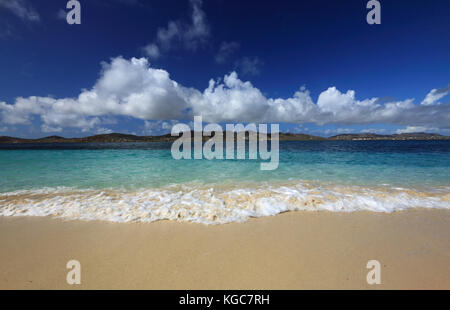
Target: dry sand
296	250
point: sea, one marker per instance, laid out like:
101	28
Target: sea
141	182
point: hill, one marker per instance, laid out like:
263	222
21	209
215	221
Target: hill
125	138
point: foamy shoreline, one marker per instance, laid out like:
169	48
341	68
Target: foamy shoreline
217	203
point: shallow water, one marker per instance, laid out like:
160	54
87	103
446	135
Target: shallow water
141	181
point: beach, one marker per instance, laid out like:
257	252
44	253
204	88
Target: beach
135	218
293	250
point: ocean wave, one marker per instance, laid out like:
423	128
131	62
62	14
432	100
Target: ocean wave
214	204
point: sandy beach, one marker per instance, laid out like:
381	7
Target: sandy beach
295	250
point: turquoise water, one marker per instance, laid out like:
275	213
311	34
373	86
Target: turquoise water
398	163
142	182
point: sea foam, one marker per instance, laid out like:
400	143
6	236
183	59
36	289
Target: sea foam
213	204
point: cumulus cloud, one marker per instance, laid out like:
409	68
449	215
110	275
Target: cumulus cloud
189	36
21	8
231	100
126	87
134	89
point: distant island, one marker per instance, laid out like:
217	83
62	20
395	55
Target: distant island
403	136
123	138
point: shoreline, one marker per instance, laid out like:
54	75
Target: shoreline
127	138
293	250
216	204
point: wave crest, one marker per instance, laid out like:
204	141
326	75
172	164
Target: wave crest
213	204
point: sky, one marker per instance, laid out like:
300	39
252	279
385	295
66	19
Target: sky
139	67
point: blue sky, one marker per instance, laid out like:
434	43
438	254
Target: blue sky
74	80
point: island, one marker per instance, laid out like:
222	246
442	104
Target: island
126	138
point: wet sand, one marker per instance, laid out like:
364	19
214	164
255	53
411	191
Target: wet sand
295	250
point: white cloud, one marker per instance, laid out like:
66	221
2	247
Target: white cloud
198	31
378	131
128	88
22	9
226	49
416	129
338	131
231	100
152	51
249	65
186	35
46	128
104	131
436	94
158	127
132	88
